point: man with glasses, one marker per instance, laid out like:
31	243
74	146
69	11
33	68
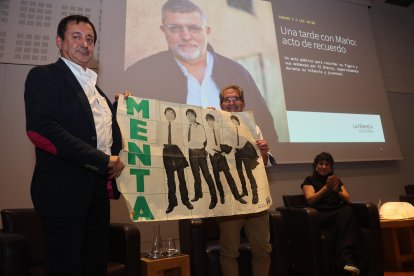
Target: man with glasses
256	225
190	71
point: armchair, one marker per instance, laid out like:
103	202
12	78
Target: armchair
199	238
409	189
407	198
409	194
311	249
22	253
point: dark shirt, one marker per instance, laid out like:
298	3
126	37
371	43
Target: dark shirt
330	200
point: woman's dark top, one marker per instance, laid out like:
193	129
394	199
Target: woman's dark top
330	200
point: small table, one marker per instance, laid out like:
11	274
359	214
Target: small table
398	242
176	265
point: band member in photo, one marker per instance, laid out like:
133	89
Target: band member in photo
246	156
198	158
174	161
216	150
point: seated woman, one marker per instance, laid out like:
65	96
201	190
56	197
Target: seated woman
325	192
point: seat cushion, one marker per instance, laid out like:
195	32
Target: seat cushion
116	269
16	221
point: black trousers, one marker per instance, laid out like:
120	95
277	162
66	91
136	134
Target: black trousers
219	164
198	160
250	176
174	161
79	245
346	233
172	197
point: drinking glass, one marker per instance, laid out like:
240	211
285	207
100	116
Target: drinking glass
171	250
156	243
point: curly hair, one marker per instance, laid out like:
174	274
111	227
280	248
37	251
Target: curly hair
323	157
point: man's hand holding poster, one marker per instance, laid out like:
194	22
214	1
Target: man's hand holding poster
183	161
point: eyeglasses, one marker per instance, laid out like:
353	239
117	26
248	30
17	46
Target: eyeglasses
232	99
177	29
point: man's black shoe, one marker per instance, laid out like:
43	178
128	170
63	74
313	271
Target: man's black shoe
213	204
170	207
188	204
196	198
222	200
242	201
255	199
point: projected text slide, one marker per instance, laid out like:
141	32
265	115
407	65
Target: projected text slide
334	127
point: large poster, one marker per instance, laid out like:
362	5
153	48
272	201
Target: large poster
183	161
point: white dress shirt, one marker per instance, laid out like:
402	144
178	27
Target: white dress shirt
198	136
102	114
205	94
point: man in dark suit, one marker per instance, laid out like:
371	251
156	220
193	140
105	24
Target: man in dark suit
77	139
245	154
197	155
174	161
216	150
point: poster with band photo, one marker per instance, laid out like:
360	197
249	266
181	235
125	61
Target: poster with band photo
183	161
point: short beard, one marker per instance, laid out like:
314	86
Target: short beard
186	56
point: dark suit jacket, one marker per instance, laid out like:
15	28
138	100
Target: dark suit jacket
59	121
249	155
173	158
